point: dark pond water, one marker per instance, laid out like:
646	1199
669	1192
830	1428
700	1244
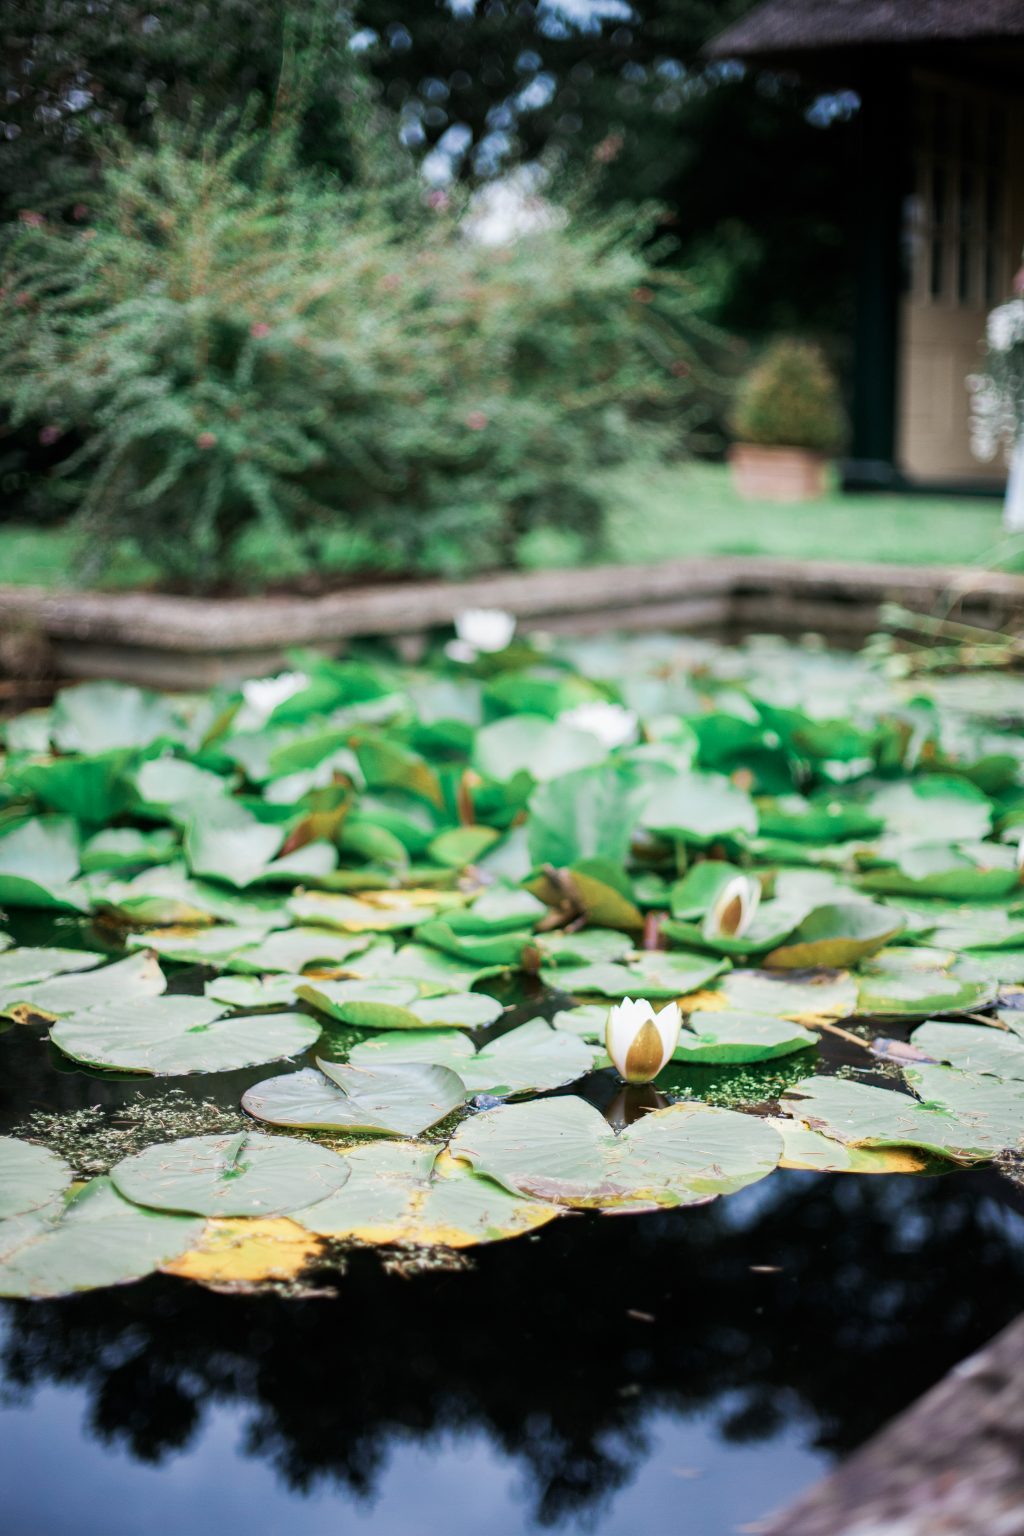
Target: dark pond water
677	1373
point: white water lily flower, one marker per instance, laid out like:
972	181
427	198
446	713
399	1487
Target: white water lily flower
264	694
613	724
485	629
640	1041
733	909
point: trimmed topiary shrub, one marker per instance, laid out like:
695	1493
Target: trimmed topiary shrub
790	400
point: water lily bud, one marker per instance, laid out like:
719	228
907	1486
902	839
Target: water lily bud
485	629
733	910
640	1041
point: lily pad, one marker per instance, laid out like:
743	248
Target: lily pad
804	1148
398	1005
410	1193
991	1107
561	1150
862	1115
651	973
94	1238
719	1038
139	976
912	983
30	1177
698	808
972	1048
172	1036
38	863
389	910
393	1099
243	1175
530	1058
840	934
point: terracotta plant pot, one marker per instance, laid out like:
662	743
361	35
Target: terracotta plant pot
760	473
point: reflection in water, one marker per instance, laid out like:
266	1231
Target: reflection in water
808	1308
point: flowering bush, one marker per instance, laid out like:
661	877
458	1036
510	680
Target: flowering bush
997	395
233	346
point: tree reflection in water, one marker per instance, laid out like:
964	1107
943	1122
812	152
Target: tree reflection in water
825	1301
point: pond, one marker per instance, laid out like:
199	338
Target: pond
319	976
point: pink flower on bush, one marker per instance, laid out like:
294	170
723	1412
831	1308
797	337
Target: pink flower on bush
48	435
476	421
31	218
259	329
438	200
79	211
206	440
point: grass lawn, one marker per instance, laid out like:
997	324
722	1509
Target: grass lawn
663	513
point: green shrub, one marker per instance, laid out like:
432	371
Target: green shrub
791	400
234	345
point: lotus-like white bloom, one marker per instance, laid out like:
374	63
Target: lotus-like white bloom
640	1041
613	724
264	694
485	629
733	909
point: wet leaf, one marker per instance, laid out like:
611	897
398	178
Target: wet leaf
30	1177
803	1148
913	983
392	1099
139	976
95	1238
717	1038
972	1048
172	1036
652	973
861	1115
838	935
247	1174
407	1192
530	1058
561	1150
398	1005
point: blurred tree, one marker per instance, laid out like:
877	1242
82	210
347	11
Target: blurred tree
597	88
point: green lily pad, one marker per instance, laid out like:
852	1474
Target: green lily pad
121	848
862	1115
225	842
907	983
913	810
400	1098
139	976
30	1177
587	1020
398	1005
216	945
99	717
173	1036
530	1058
838	935
293	949
562	1150
719	1038
651	973
545	749
590	946
991	1107
95	1238
498	949
38	865
972	1047
276	991
826	995
699	808
410	1193
21	966
247	1174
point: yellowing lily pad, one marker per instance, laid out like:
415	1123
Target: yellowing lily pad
241	1251
408	1192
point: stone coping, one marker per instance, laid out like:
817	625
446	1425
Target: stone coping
193	641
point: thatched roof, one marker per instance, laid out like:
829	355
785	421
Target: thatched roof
794	26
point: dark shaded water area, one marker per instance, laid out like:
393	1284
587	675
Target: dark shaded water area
681	1372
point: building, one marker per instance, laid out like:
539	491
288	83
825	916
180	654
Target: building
940	204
